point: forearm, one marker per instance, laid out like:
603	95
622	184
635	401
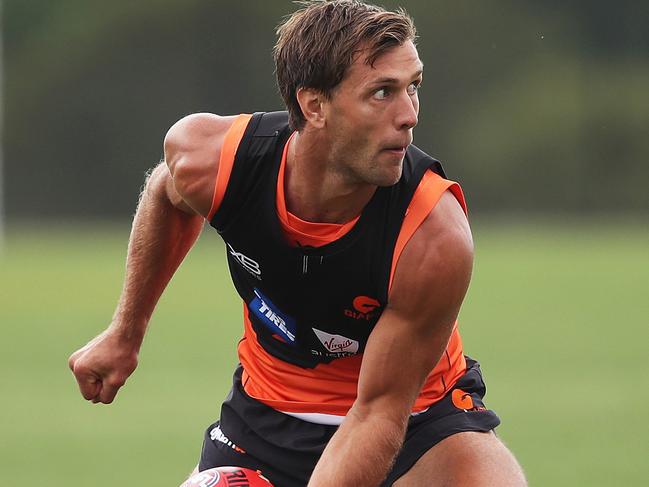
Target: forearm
161	236
361	452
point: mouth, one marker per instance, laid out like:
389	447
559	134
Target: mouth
398	148
400	152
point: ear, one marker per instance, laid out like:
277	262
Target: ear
311	103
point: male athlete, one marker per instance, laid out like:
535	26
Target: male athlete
352	254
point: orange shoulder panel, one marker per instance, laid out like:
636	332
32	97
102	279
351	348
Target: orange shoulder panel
228	151
428	193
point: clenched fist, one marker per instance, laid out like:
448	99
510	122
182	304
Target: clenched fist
103	365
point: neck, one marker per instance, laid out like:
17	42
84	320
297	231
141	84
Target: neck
316	190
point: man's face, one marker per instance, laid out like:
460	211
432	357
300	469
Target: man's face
370	116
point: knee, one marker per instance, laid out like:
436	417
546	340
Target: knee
491	463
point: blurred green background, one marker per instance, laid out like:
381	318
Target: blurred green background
540	109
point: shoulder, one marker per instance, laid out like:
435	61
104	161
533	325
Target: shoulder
434	269
192	148
195	132
444	233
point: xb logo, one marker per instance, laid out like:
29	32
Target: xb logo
248	264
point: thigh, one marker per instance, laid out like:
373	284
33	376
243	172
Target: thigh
473	459
220	450
252	435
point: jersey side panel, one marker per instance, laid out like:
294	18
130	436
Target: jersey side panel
452	363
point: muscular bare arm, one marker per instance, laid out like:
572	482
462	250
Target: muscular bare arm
168	220
430	282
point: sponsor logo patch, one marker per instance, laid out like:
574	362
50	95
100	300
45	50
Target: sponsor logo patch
364	308
336	345
463	400
217	435
246	262
279	323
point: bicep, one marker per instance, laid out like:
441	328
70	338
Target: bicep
429	284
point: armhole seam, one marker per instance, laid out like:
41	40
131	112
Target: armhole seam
428	193
229	148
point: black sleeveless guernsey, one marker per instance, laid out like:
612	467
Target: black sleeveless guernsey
308	305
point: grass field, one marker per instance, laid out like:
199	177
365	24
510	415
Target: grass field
557	315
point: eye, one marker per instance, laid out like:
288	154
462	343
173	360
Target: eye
381	94
413	88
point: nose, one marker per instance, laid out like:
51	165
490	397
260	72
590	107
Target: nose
407	111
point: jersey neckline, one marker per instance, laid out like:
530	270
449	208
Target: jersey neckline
300	232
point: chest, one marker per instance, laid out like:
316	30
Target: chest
309	305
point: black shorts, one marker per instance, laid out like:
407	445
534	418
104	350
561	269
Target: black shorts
286	449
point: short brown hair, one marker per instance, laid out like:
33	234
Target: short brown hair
318	43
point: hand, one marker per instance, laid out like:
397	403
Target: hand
102	366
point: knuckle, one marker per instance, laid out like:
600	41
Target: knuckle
115	382
77	368
72	360
88	395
